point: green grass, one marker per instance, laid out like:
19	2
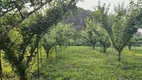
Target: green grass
83	63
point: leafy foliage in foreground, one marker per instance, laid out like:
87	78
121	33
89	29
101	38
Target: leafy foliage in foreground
21	43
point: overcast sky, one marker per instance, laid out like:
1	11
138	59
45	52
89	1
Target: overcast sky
88	4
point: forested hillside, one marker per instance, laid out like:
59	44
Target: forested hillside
77	18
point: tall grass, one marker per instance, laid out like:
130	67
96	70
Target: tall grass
85	63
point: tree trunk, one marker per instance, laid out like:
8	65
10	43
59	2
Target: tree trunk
60	44
38	57
104	51
47	54
129	47
23	77
21	71
0	67
93	46
41	60
119	56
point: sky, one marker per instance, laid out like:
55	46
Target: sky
88	4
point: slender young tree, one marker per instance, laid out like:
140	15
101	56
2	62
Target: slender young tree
62	33
89	33
120	27
48	44
103	38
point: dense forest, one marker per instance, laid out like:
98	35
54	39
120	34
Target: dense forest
56	40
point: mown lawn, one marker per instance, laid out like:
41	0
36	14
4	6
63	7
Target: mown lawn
85	63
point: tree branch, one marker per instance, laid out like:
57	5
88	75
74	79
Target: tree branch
18	22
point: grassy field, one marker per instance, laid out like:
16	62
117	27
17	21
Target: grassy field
84	63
